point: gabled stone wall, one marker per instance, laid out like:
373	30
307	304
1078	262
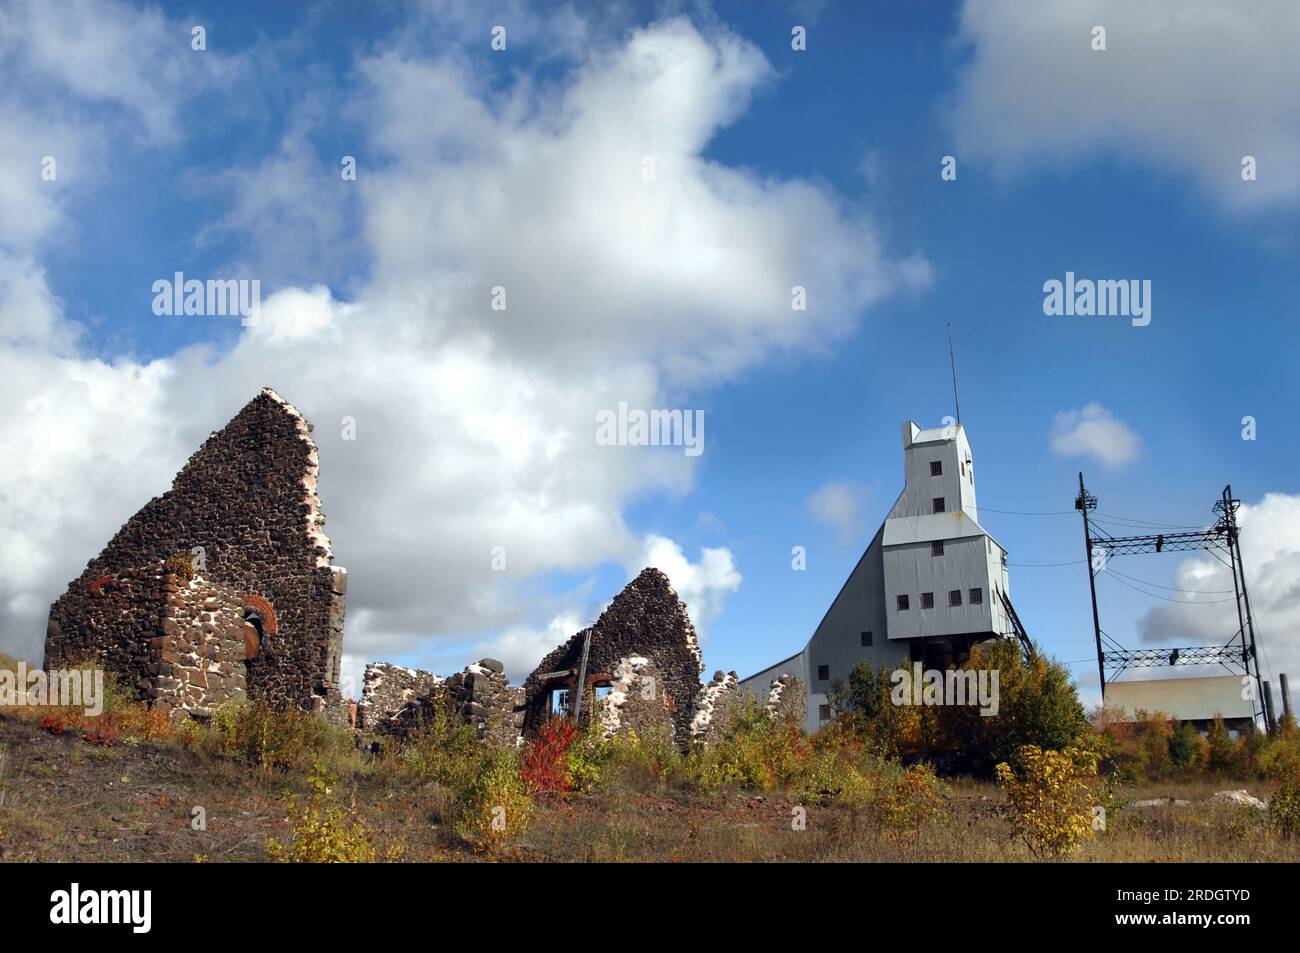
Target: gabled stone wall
247	500
647	620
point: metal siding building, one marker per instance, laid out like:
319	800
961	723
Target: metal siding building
1198	699
930	543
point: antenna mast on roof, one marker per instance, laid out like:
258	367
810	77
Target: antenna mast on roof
952	357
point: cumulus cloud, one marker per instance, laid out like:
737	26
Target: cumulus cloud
838	505
1093	431
703	586
1188	86
474	428
1270	548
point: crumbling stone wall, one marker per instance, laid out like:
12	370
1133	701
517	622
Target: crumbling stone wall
203	652
715	706
402	700
188	653
386	689
646	619
787	699
247	499
634	701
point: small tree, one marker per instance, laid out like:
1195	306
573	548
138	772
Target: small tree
1051	797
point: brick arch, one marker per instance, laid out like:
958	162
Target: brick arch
263	608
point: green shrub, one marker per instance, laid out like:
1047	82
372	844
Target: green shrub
1284	810
274	738
326	830
497	807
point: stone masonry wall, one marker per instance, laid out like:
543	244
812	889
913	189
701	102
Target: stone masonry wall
386	689
200	657
479	695
247	497
715	706
634	701
646	619
786	699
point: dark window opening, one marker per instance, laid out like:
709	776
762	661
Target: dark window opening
936	468
866	639
939	506
927	600
936	548
954	597
823	672
824	712
977	597
902	604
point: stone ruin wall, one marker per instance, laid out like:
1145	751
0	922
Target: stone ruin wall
386	689
787	698
634	702
715	706
646	620
397	701
248	498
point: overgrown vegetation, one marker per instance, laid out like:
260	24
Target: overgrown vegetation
896	780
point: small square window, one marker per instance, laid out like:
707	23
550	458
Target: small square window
954	597
936	468
866	639
936	548
824	712
902	604
977	596
927	600
823	672
939	506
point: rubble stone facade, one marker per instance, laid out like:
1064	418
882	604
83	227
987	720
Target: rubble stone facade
715	706
386	689
245	508
645	620
786	698
634	701
398	701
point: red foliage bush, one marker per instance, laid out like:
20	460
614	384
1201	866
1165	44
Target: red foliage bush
543	768
54	724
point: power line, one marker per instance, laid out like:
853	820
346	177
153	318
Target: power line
1156	595
1073	562
989	509
1190	592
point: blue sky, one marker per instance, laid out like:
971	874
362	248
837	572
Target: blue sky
1120	163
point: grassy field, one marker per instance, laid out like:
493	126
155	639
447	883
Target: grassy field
62	799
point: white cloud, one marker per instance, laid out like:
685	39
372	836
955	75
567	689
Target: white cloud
474	428
703	586
838	505
1270	547
109	53
1093	431
1184	85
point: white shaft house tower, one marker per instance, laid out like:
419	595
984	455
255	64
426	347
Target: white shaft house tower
930	585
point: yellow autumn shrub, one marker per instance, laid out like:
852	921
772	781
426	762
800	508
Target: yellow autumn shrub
1051	797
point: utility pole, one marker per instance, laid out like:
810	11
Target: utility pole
1086	504
1227	507
952	358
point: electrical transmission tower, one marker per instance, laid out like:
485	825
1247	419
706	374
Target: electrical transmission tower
1238	655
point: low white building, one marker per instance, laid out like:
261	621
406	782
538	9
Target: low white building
1198	699
928	587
